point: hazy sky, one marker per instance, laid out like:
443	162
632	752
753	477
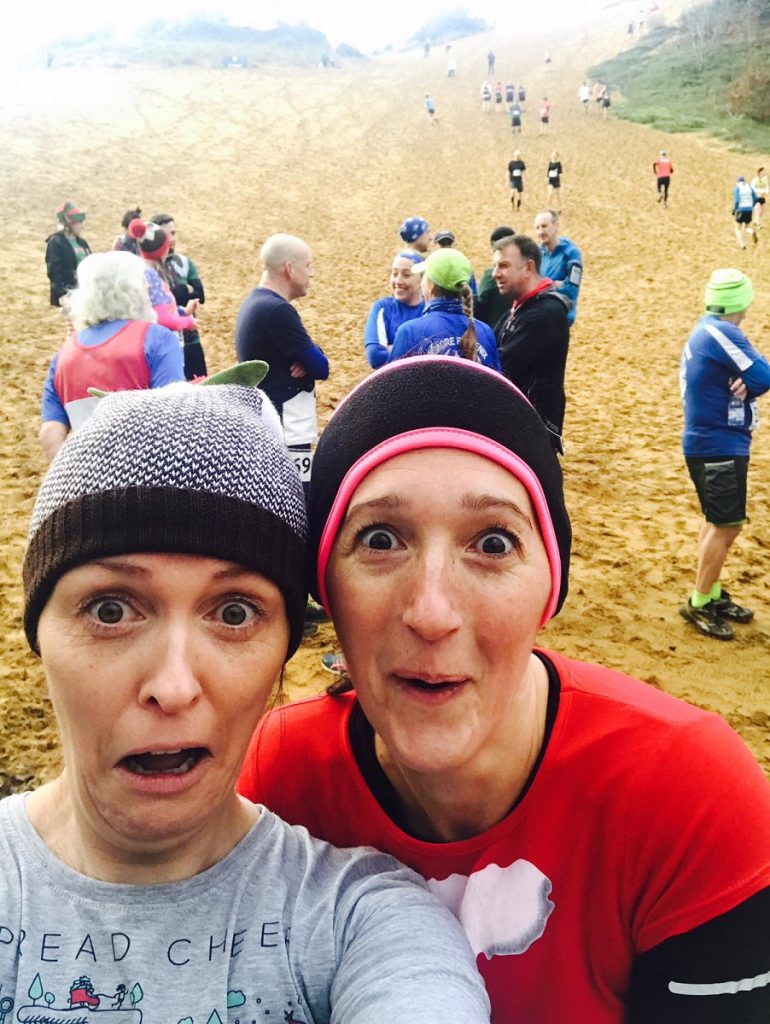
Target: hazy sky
38	23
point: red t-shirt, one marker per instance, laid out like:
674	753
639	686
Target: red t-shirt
646	818
118	364
663	167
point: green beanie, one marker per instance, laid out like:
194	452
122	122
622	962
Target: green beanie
728	291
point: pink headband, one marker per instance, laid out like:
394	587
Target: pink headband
442	437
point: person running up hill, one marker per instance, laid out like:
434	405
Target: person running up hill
554	173
663	169
516	169
761	185
744	201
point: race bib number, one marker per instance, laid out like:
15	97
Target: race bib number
304	463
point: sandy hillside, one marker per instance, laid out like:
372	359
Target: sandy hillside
341	157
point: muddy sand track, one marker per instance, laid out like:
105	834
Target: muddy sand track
341	157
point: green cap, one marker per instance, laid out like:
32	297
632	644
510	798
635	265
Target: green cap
447	268
728	291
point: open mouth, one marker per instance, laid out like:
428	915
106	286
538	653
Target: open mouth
443	686
165	762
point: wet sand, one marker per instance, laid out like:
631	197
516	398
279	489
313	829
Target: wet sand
340	157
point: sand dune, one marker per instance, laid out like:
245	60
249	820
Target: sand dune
341	157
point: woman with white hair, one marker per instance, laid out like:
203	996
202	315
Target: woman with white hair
115	345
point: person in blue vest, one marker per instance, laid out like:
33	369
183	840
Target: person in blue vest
721	376
744	201
387	314
115	345
447	326
561	259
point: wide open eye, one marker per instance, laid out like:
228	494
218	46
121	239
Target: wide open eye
237	612
109	611
496	542
378	538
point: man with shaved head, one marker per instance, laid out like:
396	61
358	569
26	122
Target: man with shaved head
269	327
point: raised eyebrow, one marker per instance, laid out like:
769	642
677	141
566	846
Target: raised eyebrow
487	502
386	503
116	566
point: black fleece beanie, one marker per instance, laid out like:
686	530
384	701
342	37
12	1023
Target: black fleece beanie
419	394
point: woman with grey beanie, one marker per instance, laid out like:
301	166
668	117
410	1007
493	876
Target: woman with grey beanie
164	591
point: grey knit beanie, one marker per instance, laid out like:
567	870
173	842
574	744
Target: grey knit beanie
187	469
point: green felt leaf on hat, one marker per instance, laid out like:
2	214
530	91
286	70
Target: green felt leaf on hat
250	374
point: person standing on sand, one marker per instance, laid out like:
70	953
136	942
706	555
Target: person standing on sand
114	345
447	325
185	284
386	315
64	251
663	169
486	97
534	339
415	232
124	242
584	95
744	201
516	169
430	108
491	63
269	328
561	259
491	306
721	377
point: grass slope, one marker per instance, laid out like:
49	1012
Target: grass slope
710	73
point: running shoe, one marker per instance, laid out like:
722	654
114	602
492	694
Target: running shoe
728	609
707	620
334	662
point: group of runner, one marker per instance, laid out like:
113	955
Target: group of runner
554	172
748	200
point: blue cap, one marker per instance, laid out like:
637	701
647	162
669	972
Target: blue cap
412	228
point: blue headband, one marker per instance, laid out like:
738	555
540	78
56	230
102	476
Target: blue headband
410	254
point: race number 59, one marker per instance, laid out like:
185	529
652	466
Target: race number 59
304	463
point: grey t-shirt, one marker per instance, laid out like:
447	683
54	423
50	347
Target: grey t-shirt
286	929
